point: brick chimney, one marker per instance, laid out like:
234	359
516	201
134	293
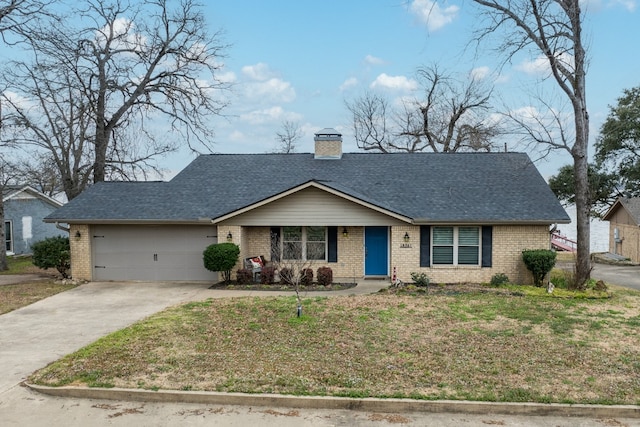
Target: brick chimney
328	144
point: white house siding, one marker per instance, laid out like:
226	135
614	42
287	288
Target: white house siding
308	207
599	231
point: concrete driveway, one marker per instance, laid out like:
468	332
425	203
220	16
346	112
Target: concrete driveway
38	334
621	275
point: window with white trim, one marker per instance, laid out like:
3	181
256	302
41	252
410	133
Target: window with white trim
304	243
455	245
8	236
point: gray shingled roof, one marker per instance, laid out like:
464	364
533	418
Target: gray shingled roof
631	204
427	187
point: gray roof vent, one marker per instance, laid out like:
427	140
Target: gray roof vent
328	144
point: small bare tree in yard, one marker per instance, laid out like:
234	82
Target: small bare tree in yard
293	258
553	30
288	137
451	116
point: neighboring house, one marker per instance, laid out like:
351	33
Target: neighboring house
24	210
456	217
624	228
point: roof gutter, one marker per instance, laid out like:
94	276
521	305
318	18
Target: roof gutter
423	221
199	221
62	227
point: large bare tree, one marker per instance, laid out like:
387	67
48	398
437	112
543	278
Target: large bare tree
105	82
15	17
553	30
451	115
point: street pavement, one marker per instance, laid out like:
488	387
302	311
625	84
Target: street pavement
627	276
23	407
36	335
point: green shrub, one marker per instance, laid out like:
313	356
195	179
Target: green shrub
539	262
420	279
325	276
499	279
53	252
221	257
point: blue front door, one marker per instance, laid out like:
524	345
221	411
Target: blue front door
376	261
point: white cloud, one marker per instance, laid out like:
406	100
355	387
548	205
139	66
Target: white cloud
274	114
430	13
540	65
372	60
598	5
18	100
630	5
236	135
122	35
226	77
480	73
259	72
265	86
401	83
272	90
349	83
527	113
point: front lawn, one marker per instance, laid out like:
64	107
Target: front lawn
13	297
467	345
23	265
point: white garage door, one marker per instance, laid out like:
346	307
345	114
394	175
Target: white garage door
134	252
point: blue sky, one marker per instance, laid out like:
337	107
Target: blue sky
299	60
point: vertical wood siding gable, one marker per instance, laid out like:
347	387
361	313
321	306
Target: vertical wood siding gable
312	207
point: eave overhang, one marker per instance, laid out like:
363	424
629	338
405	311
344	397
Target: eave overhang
199	221
426	221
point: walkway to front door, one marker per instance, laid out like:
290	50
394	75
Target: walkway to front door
376	251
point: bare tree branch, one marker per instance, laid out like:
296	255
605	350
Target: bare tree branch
453	116
16	16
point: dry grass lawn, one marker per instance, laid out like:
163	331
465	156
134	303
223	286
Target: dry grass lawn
13	297
470	345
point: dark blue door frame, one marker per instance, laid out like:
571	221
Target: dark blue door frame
376	251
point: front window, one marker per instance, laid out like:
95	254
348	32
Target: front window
8	236
292	242
304	243
456	245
